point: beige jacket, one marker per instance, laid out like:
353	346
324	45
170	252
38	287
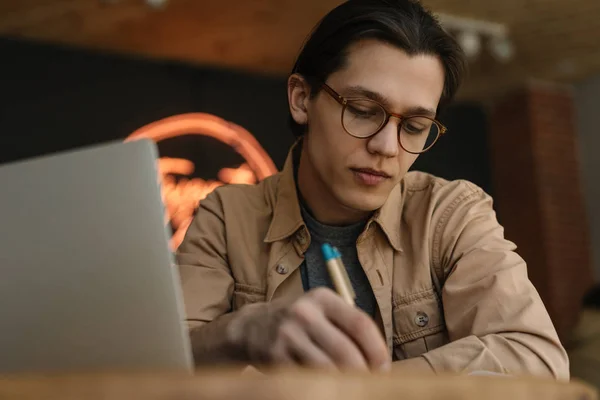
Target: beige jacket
452	294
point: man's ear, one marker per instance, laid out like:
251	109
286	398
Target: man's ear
298	97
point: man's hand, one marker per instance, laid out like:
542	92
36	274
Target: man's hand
317	330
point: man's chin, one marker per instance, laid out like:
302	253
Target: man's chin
364	202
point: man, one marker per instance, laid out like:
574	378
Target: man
438	287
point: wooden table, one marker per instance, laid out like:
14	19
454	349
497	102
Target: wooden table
289	385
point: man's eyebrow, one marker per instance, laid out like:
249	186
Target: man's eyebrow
421	111
361	91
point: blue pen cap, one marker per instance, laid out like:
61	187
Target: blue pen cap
336	252
328	252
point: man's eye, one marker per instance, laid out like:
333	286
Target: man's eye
414	129
362	112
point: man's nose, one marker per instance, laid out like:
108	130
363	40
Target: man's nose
385	142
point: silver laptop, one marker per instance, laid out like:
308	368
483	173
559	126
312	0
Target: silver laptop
87	279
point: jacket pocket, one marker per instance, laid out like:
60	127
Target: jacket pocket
246	294
418	325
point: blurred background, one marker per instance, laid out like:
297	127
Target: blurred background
206	79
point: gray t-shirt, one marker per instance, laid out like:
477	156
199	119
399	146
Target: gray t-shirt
314	271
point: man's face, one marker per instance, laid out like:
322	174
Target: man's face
359	174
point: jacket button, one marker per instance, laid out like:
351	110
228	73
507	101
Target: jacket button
281	269
421	319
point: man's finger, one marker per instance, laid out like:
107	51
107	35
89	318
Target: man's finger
335	343
358	326
302	348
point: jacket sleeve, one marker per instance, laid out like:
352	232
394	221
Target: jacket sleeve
495	318
206	278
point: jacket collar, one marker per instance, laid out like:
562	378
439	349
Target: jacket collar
287	218
389	217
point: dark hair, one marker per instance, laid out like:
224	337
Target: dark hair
402	23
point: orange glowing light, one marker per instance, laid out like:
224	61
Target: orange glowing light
182	196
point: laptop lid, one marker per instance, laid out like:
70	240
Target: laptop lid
87	277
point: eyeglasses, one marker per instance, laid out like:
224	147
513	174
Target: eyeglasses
364	118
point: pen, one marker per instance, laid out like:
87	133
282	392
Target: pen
344	271
338	273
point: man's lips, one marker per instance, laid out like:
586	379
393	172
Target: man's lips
370	171
369	177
